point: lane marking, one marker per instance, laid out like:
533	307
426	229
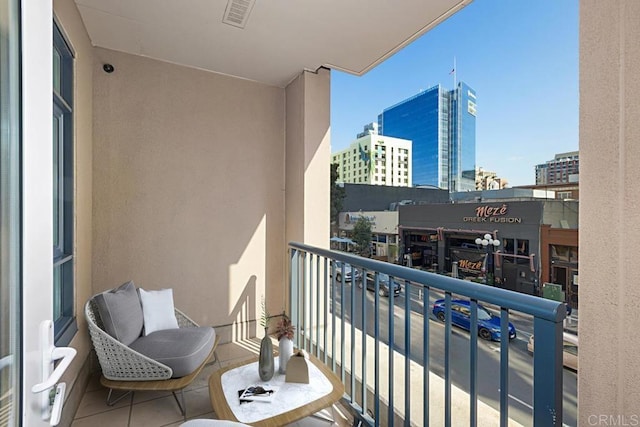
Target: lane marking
523	403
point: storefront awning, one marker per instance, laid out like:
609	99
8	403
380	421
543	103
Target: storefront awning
343	240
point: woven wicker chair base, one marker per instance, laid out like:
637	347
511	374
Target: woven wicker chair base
173	385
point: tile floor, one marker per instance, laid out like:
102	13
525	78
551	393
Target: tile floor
159	409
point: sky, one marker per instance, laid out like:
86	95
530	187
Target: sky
520	56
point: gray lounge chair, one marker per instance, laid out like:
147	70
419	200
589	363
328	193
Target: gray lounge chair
133	362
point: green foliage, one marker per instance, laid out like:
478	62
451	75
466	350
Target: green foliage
265	317
337	193
362	235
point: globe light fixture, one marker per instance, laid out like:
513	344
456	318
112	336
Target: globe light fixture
489	244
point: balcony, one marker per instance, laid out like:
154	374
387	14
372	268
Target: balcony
330	315
159	201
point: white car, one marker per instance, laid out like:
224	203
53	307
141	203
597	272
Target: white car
569	350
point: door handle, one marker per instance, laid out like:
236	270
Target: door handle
51	376
66	354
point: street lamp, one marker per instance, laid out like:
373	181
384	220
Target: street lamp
488	243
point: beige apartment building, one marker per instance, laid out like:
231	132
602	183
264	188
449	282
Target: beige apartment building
375	159
488	180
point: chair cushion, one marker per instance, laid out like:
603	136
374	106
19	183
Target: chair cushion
157	310
183	349
121	313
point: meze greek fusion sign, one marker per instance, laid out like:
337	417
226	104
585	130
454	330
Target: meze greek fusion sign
495	213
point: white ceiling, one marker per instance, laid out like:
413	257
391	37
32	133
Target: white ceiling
281	37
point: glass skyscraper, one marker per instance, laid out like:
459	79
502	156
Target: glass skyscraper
442	125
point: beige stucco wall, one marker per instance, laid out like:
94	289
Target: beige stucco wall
609	376
69	20
308	149
308	158
188	178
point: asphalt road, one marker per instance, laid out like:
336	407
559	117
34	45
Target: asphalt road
520	360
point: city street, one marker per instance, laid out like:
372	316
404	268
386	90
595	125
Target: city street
520	360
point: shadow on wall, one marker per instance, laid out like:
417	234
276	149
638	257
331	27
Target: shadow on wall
244	327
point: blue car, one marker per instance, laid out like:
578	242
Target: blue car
488	323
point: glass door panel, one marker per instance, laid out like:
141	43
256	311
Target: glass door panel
9	215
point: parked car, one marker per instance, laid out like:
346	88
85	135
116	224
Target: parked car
383	280
349	272
569	350
488	323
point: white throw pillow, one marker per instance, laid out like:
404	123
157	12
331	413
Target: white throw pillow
157	310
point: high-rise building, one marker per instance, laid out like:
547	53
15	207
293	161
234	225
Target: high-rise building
564	168
375	159
441	124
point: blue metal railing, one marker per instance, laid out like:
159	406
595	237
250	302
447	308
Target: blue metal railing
318	307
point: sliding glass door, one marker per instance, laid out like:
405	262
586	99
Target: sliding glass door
10	201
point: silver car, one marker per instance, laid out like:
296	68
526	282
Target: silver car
349	272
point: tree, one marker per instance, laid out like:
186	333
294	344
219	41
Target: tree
362	236
337	193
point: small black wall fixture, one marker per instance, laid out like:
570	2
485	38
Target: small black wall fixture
108	68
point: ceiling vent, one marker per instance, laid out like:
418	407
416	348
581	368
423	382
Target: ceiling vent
237	12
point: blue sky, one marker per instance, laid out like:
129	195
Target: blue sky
520	56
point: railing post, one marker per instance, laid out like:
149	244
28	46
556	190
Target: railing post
303	302
294	277
447	360
352	340
547	372
473	365
309	290
318	306
407	348
325	309
504	367
425	357
363	357
376	358
390	338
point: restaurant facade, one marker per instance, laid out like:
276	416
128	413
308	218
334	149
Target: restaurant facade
384	231
536	242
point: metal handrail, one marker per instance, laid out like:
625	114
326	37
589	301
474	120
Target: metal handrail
311	294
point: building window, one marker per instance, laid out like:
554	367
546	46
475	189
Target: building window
523	247
564	253
63	198
564	195
508	246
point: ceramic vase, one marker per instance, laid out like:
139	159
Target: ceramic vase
265	362
285	348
